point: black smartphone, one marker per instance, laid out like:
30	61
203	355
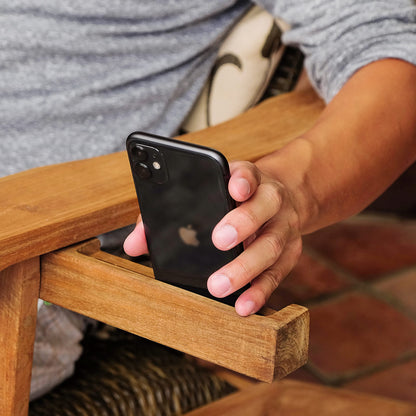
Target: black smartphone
182	190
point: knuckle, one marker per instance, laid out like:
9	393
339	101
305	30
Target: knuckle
273	195
248	216
244	168
273	276
274	245
265	284
244	271
255	172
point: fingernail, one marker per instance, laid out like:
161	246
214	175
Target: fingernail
246	308
219	285
244	186
226	236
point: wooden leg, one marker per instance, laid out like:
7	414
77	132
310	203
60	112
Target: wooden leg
19	291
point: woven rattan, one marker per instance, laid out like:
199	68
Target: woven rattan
120	374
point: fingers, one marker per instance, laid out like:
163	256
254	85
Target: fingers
263	264
268	224
135	244
239	224
244	180
266	283
261	254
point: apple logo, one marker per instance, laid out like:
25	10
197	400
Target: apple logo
189	236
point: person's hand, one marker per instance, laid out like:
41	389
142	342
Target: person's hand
135	244
268	224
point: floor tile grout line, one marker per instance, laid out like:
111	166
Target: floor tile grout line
363	218
350	276
333	266
385	277
352	375
393	274
391	300
402	359
358	285
366	287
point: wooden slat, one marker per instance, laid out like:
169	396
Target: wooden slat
51	207
294	398
122	294
19	290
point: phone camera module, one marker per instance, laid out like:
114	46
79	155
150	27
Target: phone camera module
139	153
142	171
156	165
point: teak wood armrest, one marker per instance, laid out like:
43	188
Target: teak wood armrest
124	294
51	207
48	208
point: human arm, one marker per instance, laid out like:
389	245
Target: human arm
363	140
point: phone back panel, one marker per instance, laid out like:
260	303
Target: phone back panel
180	207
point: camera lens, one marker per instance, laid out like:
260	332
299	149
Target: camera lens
140	154
143	171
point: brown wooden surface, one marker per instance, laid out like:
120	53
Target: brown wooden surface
111	290
19	290
51	207
294	398
47	208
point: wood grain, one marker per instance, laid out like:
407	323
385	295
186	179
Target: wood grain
19	291
123	294
294	398
51	207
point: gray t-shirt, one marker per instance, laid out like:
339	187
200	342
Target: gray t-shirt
76	76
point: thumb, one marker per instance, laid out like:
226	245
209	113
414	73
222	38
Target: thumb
135	244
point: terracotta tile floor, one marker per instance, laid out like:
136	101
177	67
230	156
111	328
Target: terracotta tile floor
358	278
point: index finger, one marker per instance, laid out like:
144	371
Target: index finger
244	180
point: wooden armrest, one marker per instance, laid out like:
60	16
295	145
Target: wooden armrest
47	208
51	207
123	294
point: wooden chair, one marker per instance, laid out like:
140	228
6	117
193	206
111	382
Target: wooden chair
45	210
48	216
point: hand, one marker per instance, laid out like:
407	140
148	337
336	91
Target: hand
267	222
135	244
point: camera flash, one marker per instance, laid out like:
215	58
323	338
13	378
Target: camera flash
156	165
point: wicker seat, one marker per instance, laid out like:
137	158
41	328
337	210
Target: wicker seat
121	374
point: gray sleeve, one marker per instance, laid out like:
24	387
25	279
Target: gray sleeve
339	37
